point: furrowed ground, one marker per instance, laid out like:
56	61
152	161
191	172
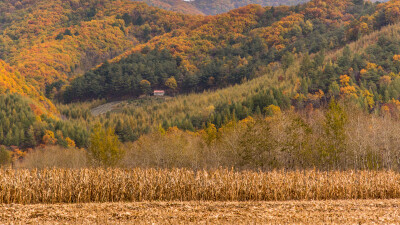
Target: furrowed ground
299	212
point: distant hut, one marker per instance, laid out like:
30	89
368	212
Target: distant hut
159	92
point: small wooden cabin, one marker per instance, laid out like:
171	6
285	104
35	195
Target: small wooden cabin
159	92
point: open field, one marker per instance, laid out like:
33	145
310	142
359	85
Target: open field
299	212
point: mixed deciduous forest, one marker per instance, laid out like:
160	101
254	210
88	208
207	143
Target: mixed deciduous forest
207	7
205	59
310	85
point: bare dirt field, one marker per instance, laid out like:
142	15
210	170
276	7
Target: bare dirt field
298	212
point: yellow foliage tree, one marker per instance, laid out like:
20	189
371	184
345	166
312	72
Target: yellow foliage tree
171	83
70	142
145	85
346	89
396	58
209	133
105	148
272	110
48	138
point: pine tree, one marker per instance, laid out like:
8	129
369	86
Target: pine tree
306	66
287	60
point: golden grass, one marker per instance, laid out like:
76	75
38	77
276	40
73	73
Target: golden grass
118	185
288	212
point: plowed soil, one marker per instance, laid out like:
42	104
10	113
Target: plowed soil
298	212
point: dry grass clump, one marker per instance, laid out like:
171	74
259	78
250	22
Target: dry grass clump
116	185
54	156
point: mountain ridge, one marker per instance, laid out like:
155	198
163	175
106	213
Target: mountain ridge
212	7
58	49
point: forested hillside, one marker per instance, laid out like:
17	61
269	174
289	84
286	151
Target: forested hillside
11	81
44	43
208	7
230	48
211	7
49	41
174	5
233	126
214	7
243	73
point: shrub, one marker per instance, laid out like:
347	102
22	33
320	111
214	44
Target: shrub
5	156
54	156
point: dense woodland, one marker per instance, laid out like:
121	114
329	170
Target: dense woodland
254	88
208	7
207	60
132	76
174	5
214	7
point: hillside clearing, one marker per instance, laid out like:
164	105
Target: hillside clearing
102	109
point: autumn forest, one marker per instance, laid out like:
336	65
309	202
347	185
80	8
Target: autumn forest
249	85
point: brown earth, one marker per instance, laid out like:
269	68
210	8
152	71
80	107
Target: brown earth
298	212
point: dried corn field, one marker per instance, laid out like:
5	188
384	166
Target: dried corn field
118	185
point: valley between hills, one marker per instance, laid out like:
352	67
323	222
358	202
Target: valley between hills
199	111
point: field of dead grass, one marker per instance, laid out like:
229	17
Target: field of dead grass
298	212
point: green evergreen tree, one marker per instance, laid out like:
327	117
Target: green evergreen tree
287	60
306	66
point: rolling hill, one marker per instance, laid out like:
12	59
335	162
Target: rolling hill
262	103
229	48
244	61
